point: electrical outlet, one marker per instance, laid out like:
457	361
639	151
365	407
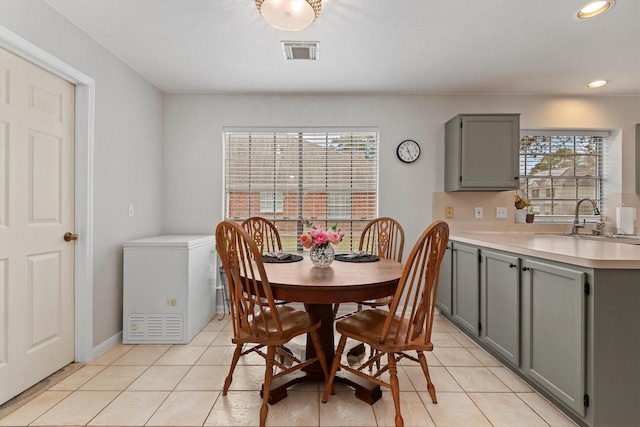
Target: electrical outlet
501	212
172	302
477	212
448	212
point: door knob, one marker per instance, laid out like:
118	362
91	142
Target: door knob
70	236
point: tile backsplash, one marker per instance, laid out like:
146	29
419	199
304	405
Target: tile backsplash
464	204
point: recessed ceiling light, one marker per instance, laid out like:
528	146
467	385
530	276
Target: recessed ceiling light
594	8
597	83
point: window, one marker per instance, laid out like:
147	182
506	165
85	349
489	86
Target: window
566	168
339	205
328	176
271	202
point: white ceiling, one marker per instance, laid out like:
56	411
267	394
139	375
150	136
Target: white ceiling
372	46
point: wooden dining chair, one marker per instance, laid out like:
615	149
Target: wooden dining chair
384	237
257	321
405	327
264	234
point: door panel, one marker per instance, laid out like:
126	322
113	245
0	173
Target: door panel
466	287
500	296
45	178
36	209
557	331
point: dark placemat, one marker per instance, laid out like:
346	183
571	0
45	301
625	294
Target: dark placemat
362	258
275	260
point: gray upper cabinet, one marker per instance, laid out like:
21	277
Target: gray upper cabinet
482	152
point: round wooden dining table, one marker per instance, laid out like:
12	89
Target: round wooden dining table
320	288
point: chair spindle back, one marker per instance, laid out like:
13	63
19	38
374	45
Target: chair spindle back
264	234
417	288
384	237
249	289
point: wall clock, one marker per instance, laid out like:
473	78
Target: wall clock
408	151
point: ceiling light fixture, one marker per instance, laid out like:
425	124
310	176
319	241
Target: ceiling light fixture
595	8
597	83
289	15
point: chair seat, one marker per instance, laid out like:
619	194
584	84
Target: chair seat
366	326
294	322
378	302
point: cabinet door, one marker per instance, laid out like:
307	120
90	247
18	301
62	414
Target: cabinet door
443	297
490	152
500	303
466	287
556	330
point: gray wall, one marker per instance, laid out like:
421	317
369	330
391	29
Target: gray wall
194	125
128	148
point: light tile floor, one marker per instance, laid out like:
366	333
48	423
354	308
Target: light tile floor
180	385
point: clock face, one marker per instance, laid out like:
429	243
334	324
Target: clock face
408	151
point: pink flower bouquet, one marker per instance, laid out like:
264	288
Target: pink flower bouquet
316	236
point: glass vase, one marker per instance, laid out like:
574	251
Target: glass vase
322	255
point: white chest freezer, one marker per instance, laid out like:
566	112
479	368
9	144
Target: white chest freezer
169	289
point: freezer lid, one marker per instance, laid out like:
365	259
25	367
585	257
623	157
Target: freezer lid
180	241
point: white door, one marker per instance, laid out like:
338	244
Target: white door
36	210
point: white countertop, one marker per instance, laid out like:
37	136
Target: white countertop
567	249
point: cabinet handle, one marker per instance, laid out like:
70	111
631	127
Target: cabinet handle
525	268
512	266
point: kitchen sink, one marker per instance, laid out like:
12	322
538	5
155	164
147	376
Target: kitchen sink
613	238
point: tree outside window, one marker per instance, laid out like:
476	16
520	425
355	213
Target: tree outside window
557	171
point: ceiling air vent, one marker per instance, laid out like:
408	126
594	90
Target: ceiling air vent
301	50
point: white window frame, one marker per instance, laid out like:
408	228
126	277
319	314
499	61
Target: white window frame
599	199
271	202
364	156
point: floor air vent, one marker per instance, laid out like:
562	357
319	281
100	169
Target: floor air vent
301	50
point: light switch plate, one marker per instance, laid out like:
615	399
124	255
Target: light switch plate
448	212
477	212
501	212
131	211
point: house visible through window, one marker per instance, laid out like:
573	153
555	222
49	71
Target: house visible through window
327	177
271	202
557	171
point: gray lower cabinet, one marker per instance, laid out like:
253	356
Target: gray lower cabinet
500	303
443	297
571	332
465	287
554	303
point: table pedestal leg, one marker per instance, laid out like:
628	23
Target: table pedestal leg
365	390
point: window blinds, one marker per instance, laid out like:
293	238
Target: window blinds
326	177
558	170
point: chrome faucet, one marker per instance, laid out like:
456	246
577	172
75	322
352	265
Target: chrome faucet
576	220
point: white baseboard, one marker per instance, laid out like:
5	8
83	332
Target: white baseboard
105	345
